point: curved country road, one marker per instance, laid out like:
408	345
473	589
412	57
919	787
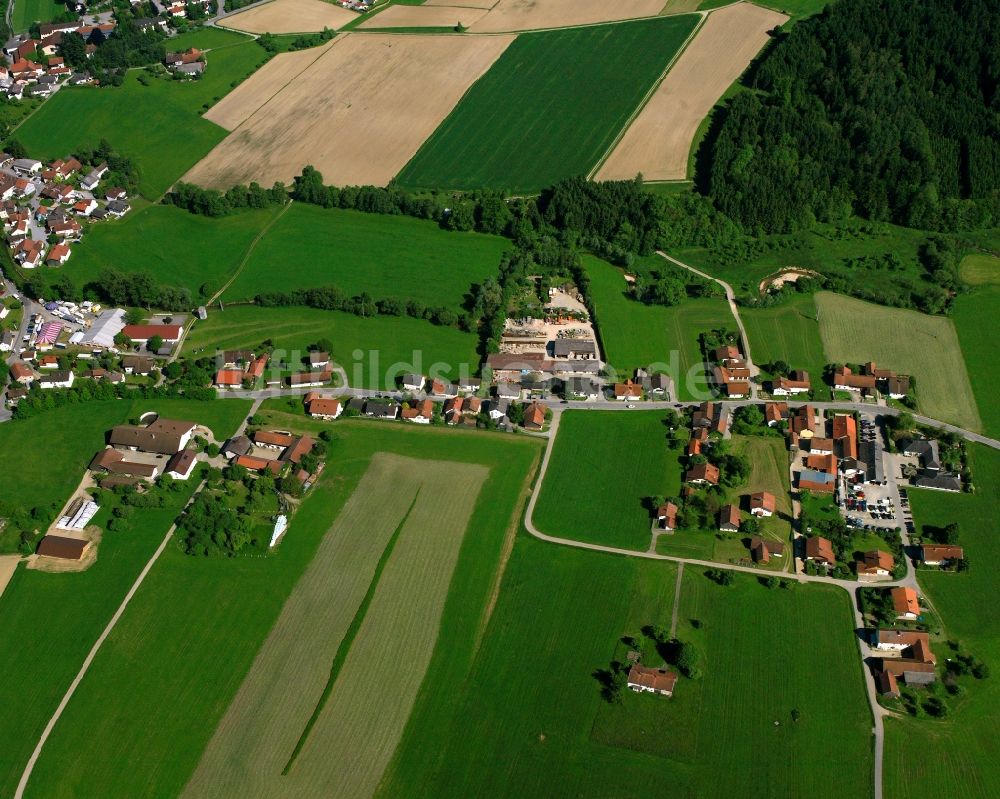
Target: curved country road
851	586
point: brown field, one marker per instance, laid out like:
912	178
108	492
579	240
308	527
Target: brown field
358	113
356	733
658	141
525	15
290	16
487	4
240	104
424	17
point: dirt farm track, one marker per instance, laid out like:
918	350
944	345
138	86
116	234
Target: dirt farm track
357	112
659	140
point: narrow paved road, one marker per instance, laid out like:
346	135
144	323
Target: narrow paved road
851	586
731	298
30	766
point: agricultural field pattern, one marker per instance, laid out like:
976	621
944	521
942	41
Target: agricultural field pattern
552	399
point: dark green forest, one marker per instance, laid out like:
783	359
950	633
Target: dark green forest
888	109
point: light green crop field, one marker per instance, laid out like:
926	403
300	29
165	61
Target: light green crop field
635	334
411	515
549	107
603	467
958	755
159	125
159	688
374	350
980	269
387	256
788	332
55	618
175	247
974	317
909	342
530	720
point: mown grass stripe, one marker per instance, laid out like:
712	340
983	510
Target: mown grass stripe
349	636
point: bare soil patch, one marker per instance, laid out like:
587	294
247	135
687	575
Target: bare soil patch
424	17
358	113
525	15
658	141
8	564
290	16
778	280
237	106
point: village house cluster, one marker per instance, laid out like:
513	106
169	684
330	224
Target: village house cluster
54	357
27	77
274	452
42	207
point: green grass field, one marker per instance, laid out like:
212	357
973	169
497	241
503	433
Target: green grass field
27	11
387	256
159	687
603	467
913	343
788	332
409	515
159	125
973	316
373	350
175	247
958	755
636	335
55	618
549	107
980	269
207	39
530	721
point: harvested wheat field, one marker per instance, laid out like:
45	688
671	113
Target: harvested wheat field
424	17
290	16
526	15
370	601
487	4
358	113
658	141
240	104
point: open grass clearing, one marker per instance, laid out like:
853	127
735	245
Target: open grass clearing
974	317
789	332
206	39
26	12
958	755
373	350
980	269
158	688
665	338
658	141
603	469
175	247
142	122
290	16
380	123
433	501
909	342
549	107
544	730
50	621
386	256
